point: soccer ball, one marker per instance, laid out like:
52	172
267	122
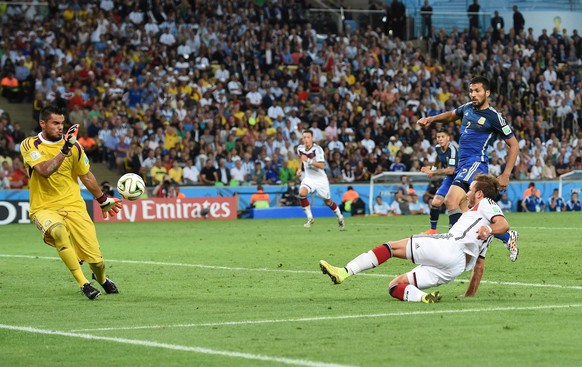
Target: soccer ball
131	186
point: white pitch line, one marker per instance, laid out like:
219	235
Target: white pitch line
424	225
334	318
266	270
184	348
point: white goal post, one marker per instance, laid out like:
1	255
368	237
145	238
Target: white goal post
570	182
386	184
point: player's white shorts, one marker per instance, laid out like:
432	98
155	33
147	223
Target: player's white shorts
319	186
440	260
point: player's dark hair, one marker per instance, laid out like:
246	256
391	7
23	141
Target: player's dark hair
488	184
47	111
443	130
308	131
481	80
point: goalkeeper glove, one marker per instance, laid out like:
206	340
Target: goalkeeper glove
109	205
70	139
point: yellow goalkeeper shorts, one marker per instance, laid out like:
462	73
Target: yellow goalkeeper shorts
80	227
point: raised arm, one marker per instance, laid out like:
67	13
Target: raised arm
448	116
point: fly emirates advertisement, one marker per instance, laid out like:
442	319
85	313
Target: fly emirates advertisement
159	209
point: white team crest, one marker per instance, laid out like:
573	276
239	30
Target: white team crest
34	155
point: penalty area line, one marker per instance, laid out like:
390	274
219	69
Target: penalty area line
266	270
183	348
335	318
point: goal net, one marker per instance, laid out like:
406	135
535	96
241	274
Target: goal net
570	182
386	184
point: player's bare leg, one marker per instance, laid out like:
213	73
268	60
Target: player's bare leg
454	201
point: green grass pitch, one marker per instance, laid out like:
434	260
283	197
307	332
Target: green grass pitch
250	293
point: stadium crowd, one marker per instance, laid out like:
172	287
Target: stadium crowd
217	92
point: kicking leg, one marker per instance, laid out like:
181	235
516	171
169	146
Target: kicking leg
368	260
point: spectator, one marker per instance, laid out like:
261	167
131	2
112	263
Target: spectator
158	173
209	174
473	13
415	206
402	196
497	24
286	174
271	172
397	166
89	145
533	203
505	204
398	19
190	174
381	207
258	174
176	173
237	173
531	190
549	170
518	21
555	202
426	14
223	172
573	205
11	88
18	176
4	181
348	173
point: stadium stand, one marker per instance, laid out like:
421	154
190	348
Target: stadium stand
220	80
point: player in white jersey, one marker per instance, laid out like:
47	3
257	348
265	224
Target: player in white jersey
314	179
440	257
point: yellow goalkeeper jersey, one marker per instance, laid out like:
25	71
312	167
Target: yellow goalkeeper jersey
61	190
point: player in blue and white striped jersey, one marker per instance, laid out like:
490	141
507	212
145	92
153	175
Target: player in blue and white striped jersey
448	157
480	124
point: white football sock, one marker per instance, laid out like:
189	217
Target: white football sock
307	210
365	261
413	294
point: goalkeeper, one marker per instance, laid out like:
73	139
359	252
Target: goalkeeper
55	162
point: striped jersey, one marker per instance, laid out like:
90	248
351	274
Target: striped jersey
448	158
60	191
479	129
315	153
